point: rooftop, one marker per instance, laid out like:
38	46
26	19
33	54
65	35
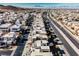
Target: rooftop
11	34
15	26
5	25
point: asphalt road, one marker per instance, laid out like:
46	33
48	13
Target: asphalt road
19	49
5	53
22	42
67	46
68	35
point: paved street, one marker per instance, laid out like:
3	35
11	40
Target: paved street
5	53
68	47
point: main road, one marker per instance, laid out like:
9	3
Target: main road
67	34
66	44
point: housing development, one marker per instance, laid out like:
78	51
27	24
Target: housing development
39	31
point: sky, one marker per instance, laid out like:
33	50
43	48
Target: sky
47	5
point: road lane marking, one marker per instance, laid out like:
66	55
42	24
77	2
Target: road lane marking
67	39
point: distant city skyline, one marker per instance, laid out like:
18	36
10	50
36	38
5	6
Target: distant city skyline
47	5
